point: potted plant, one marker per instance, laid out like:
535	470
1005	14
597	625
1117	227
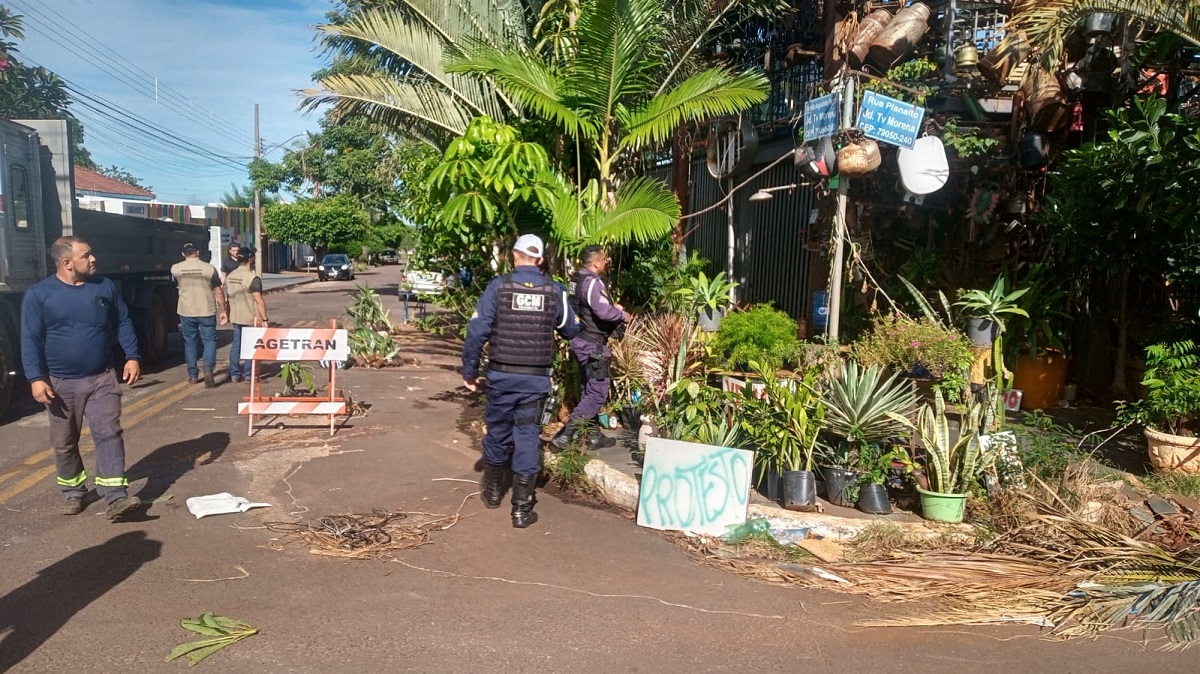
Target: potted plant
762	335
1170	411
707	299
923	349
986	311
873	470
955	460
628	382
783	420
861	408
1038	341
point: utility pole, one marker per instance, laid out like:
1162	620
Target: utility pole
839	223
257	201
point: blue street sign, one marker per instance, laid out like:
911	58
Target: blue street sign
889	120
820	117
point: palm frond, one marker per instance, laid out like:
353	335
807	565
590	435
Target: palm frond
1048	23
646	210
710	93
421	49
531	83
618	41
393	104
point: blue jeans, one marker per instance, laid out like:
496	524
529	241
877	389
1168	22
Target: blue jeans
237	366
202	329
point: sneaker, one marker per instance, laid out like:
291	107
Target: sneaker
73	506
209	382
122	506
192	380
237	379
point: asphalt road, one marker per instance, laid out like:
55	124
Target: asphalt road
584	590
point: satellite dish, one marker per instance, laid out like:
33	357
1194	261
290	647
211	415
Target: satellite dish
732	146
924	169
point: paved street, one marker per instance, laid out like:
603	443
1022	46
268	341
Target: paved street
584	590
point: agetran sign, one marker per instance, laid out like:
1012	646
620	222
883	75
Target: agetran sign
889	120
295	344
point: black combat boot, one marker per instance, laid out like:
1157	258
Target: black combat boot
598	440
565	436
523	500
492	489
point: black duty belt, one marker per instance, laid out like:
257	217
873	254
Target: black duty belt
521	369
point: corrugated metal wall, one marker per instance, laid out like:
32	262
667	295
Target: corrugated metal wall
770	259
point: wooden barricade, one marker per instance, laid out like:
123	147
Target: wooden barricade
293	344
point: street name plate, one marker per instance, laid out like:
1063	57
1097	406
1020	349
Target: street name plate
889	120
820	117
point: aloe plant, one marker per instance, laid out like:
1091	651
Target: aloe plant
862	407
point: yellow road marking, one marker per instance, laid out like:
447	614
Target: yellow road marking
87	445
43	455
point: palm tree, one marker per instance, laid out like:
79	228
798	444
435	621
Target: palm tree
610	92
1048	23
388	63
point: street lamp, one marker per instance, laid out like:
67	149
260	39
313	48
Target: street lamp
765	194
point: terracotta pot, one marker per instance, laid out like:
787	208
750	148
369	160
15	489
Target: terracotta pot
1173	453
1042	379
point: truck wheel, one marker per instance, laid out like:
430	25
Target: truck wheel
152	332
8	365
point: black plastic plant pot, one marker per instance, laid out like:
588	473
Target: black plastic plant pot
631	418
873	498
768	484
799	490
839	484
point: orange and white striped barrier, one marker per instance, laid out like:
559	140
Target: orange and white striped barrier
338	407
294	344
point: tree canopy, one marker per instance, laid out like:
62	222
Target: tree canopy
320	223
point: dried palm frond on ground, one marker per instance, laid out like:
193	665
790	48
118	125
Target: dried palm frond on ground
373	536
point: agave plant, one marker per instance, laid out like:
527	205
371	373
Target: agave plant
862	407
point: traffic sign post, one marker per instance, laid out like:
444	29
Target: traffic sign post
889	120
294	344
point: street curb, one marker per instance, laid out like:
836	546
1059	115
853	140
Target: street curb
290	285
623	491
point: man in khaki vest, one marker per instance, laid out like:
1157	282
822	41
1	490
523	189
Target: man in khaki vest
246	303
201	307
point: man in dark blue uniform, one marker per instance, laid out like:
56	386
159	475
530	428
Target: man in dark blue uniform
517	317
599	318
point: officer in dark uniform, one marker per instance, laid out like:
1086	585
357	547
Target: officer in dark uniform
517	316
599	318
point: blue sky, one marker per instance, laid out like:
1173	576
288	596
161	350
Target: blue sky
213	60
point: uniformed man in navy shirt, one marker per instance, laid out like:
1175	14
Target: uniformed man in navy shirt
516	317
67	322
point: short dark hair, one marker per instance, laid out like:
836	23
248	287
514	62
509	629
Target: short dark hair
590	253
234	244
63	247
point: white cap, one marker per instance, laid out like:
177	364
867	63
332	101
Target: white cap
529	244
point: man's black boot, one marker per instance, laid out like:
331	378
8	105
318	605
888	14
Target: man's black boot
492	491
523	500
564	437
598	440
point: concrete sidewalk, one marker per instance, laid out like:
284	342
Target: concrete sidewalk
275	282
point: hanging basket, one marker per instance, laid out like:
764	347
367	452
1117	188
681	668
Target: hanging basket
859	157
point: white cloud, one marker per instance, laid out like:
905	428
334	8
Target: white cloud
213	61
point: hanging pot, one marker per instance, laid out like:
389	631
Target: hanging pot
966	57
873	498
859	157
1100	24
868	30
799	490
1033	151
839	483
900	38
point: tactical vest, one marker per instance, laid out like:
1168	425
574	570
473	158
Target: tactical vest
591	328
242	308
194	278
523	330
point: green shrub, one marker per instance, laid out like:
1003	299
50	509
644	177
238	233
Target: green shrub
762	334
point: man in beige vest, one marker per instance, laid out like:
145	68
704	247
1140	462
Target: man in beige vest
246	303
201	307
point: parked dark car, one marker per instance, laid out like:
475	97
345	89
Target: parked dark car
336	266
389	256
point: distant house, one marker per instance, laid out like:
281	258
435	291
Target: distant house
98	192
